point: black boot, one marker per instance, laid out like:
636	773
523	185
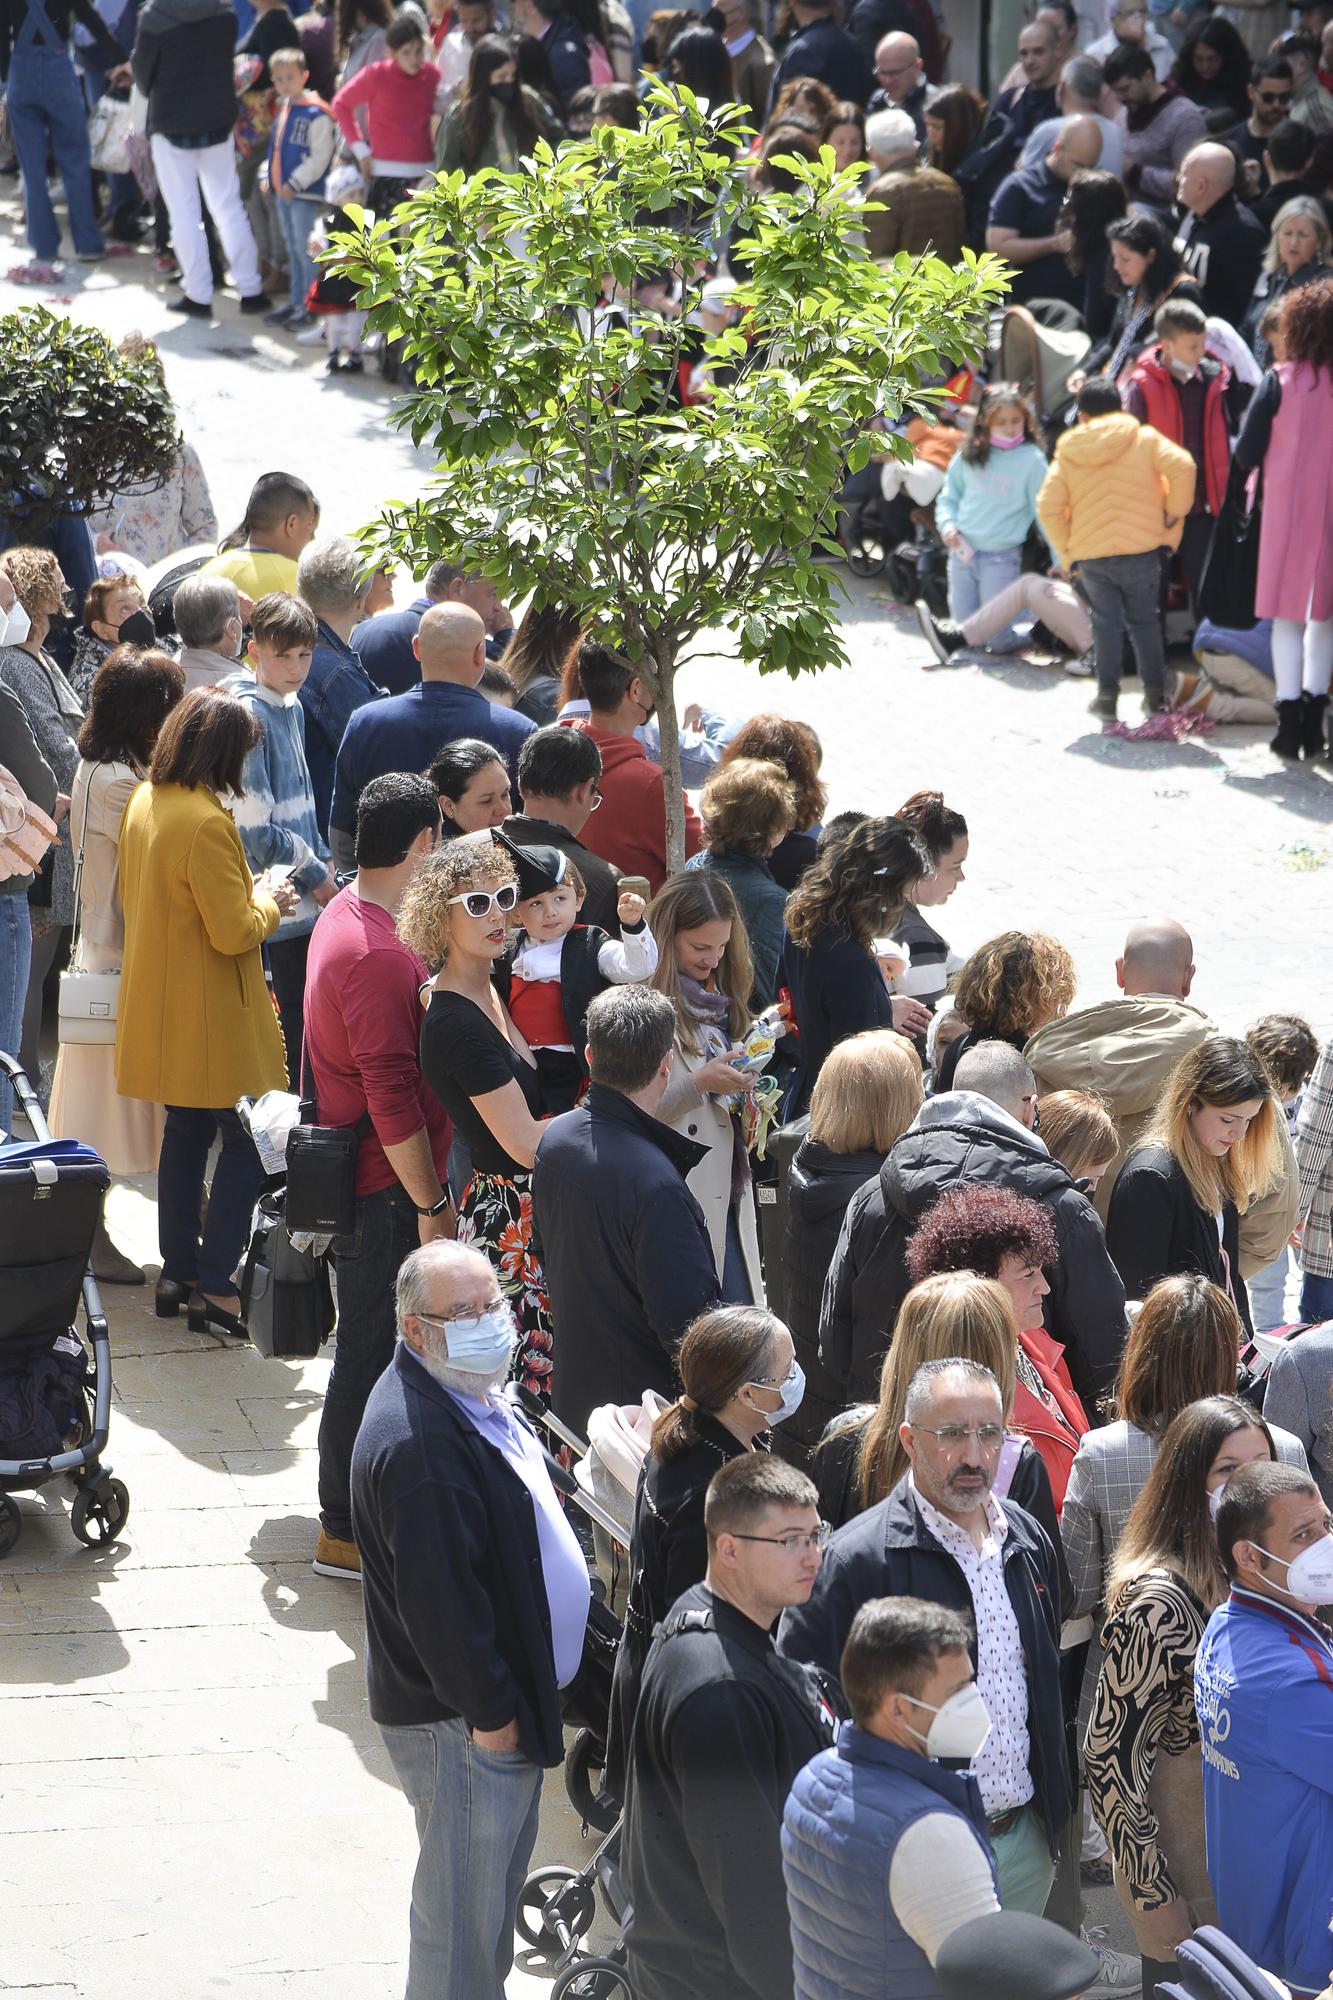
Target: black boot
1312	725
1287	742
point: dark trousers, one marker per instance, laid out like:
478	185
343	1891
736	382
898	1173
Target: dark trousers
366	1263
1123	594
1198	533
209	1258
1157	1971
286	963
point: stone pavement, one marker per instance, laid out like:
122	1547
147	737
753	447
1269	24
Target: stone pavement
195	1803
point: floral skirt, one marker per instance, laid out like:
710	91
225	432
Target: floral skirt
495	1216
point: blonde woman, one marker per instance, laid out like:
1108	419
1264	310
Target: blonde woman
704	969
868	1093
456	915
1080	1133
1213	1148
1010	986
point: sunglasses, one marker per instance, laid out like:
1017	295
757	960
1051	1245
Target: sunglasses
480	902
1267	97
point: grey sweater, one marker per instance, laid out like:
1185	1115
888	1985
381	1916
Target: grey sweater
20	755
55	718
1299	1397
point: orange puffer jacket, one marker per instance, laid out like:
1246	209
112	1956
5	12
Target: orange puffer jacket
1115	488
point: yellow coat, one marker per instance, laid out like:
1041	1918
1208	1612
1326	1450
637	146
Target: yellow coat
196	1025
1111	486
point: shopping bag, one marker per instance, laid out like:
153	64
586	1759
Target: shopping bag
109	128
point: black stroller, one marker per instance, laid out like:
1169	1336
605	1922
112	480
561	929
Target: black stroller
53	1420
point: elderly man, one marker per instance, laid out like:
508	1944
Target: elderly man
332	578
476	1596
752	60
922	209
1022	227
404	732
1079	95
207	611
1218	241
901	76
943	1536
385	641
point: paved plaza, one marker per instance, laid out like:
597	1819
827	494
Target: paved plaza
195	1803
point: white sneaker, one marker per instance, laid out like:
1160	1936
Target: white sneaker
1080	668
1117	1972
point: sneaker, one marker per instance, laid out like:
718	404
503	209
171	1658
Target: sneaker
1180	688
256	302
1117	1971
196	308
300	319
279	315
941	634
339	1559
164	262
1154	701
90	256
1081	667
1103	705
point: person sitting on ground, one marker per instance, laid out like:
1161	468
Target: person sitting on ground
207	614
1047	600
987	505
115	613
748	807
921	208
630	829
1009	987
281	516
332	578
1022	226
1160	124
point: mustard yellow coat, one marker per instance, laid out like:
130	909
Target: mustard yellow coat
196	1025
1112	488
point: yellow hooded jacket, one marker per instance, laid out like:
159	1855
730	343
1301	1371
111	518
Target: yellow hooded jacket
1113	486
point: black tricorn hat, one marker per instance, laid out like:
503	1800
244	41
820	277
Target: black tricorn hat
538	868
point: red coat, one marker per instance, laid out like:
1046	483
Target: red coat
1054	1432
1153	380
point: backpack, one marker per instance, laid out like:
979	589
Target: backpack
1210	1967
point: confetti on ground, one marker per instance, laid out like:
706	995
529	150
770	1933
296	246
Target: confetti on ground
1300	856
1172	728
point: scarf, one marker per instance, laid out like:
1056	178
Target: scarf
710	1010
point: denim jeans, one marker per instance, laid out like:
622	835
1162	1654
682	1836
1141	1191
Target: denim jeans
207	1260
974	581
15	958
476	1813
296	219
1268	1294
46	111
1124	593
367	1264
1316	1297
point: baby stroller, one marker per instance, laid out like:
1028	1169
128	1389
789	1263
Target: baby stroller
557	1905
52	1419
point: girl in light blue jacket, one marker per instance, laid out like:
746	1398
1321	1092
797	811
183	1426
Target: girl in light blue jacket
987	505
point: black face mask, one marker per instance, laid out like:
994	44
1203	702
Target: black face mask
503	92
137	630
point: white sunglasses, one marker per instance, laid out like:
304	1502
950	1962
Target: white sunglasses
480	902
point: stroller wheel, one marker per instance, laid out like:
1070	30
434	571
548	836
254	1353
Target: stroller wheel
11	1524
863	546
585	1761
99	1516
544	1889
593	1979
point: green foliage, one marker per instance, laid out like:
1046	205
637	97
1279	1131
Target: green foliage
76	418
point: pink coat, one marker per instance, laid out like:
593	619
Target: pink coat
1296	530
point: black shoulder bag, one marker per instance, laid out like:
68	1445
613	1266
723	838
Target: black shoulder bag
321	1168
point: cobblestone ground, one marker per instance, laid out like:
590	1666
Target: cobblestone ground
195	1802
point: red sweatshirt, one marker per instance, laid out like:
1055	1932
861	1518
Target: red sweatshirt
399	109
630	826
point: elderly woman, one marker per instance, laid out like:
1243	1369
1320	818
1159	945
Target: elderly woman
748	807
132	697
196	1028
110	603
55	716
1011	986
1298	252
456	916
333	579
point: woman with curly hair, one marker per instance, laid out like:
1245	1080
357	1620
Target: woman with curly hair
827	971
456	915
496	120
1011	986
1288	430
777	739
748	808
1213	70
1094	200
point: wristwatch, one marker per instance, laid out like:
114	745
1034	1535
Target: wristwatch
446	1200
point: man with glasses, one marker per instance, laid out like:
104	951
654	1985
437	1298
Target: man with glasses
1270	93
476	1597
559	783
942	1535
722	1727
901	77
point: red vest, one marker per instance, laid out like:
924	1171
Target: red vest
1159	393
538	1012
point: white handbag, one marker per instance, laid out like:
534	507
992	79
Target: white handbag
110	123
89	1001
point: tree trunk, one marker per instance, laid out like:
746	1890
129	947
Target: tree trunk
669	734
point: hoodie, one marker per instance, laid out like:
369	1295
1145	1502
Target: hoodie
957	1139
1124	1049
182	63
1113	487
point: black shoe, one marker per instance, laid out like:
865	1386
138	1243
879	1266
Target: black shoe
201	1314
1287	742
335	364
352	364
256	303
1312	725
169	1297
193	307
1154	701
941	634
1103	704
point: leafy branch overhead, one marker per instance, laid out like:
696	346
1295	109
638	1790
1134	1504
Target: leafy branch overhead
77	418
566	465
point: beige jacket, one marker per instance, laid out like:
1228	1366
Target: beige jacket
98	798
702	1118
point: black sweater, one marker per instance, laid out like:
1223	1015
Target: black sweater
62	15
183	65
1156	1229
819	1187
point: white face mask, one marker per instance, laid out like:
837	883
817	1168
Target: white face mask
792	1391
1215	1500
15	625
1310	1574
960	1728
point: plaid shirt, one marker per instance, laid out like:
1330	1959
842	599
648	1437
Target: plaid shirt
1314	1159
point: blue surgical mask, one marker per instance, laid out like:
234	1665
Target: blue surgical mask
483	1343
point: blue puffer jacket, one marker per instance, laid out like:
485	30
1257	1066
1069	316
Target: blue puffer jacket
845	1815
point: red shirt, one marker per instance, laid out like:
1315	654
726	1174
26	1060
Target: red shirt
362	1028
629	828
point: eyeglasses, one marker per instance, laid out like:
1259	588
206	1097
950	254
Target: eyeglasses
817	1538
465	1322
954	1436
901	69
1268	97
480	902
774	1381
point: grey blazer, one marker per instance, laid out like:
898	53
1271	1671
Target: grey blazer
1300	1397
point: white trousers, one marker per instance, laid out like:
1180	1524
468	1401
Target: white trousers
184	174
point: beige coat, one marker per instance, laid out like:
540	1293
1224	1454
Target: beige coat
98	799
702	1118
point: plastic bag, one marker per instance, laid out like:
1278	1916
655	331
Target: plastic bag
110	124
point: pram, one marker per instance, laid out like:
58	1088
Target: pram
50	1199
557	1905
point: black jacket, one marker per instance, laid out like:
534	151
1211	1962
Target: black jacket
957	1139
182	61
827	52
457	1619
1156	1229
600	878
819	1187
1222	253
723	1727
581	980
890	1552
625	1249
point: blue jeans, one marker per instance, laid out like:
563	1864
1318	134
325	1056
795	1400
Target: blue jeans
476	1813
46	110
366	1263
1124	594
974	582
15	958
206	1259
1316	1297
1268	1294
296	219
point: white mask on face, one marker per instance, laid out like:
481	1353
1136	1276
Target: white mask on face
15	625
961	1725
1215	1500
1310	1574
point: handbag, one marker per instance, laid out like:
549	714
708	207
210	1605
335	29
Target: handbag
321	1168
1231	567
89	1001
110	123
286	1296
26	832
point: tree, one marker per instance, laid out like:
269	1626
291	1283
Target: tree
77	419
565	465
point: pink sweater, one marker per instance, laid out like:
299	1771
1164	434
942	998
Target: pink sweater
399	109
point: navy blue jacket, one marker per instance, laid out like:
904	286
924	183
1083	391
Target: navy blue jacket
335	687
836	990
890	1552
384	646
405	732
625	1249
457	1620
828	52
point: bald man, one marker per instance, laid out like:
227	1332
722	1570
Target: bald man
900	78
1024	215
1219	242
408	730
